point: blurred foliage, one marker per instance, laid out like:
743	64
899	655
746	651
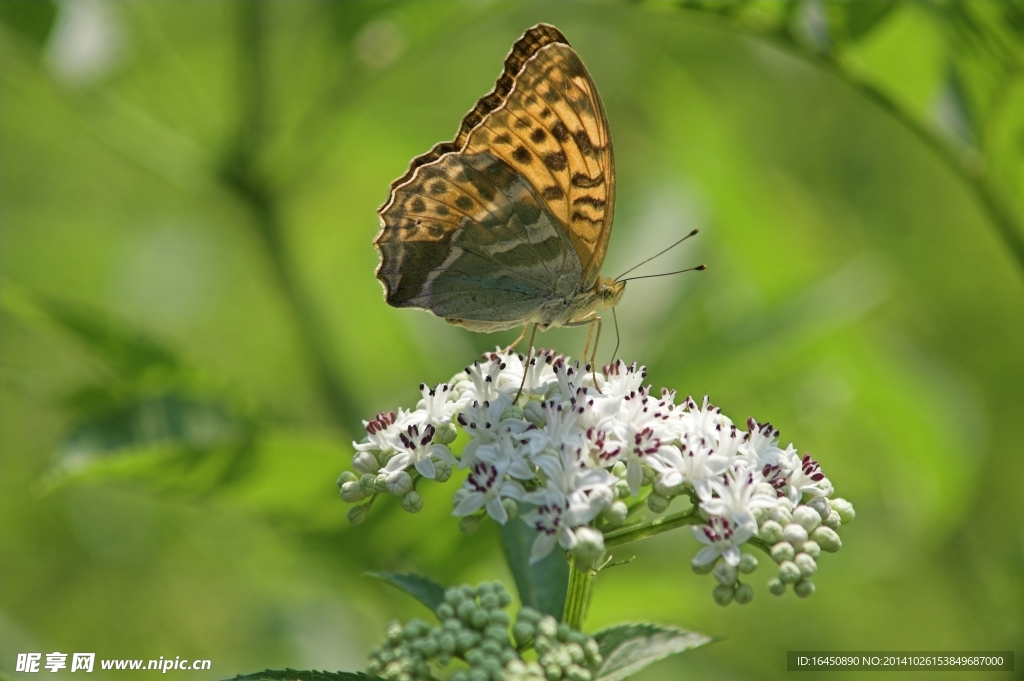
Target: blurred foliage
192	330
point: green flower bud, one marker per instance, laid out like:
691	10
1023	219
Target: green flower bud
479	675
665	490
459	675
783	515
453	596
465	610
589	547
804	588
365	463
513	412
770	531
470	523
615	514
622	489
398	483
619	469
499	617
393	631
412	502
352	492
833	521
748	563
522	633
511	508
367	483
593	651
380	483
725	574
528	614
763	489
744	594
577	673
649	474
701	569
658	503
782	551
445	611
460	494
346	476
806	517
445	434
794	534
811	548
478	620
564	633
553	672
357	514
442	471
465	640
488	599
776	586
789	572
496	633
806	564
827	539
547	626
385	456
533	412
373	668
723	594
446	642
845	510
821	505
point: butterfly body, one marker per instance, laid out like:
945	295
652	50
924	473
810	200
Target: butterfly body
508	224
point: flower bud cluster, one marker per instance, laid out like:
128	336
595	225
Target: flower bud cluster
576	453
474	628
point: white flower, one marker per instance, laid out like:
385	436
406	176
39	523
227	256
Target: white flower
722	539
437	407
548	518
486	486
416	449
736	499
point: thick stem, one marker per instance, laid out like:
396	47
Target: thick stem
241	173
577	595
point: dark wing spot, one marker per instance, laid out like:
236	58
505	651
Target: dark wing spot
464	202
545	112
522	123
552	193
586	182
530	100
441	210
503	138
589	200
411	228
538	135
583	142
437	187
522	155
576	215
418	205
435	231
559	131
555	160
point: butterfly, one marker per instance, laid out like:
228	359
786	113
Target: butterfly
508	224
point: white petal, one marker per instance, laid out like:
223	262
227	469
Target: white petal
542	547
496	510
473	501
634	477
706	555
426	468
399	462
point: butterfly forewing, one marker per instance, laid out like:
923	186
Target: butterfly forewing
514	211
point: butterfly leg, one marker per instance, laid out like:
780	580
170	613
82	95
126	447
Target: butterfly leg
592	360
517	341
526	362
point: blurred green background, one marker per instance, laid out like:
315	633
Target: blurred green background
192	330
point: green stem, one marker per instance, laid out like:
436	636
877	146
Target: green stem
242	175
577	595
671	522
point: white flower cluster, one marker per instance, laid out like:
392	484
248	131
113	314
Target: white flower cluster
584	450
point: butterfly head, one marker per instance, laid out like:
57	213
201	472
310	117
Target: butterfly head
608	292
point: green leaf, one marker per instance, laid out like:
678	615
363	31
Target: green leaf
425	590
542	585
628	648
303	675
124	348
32	18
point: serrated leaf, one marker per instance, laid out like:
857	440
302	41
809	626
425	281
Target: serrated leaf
542	585
628	648
425	590
303	675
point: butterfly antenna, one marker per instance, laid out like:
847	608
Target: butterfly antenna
619	278
698	268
